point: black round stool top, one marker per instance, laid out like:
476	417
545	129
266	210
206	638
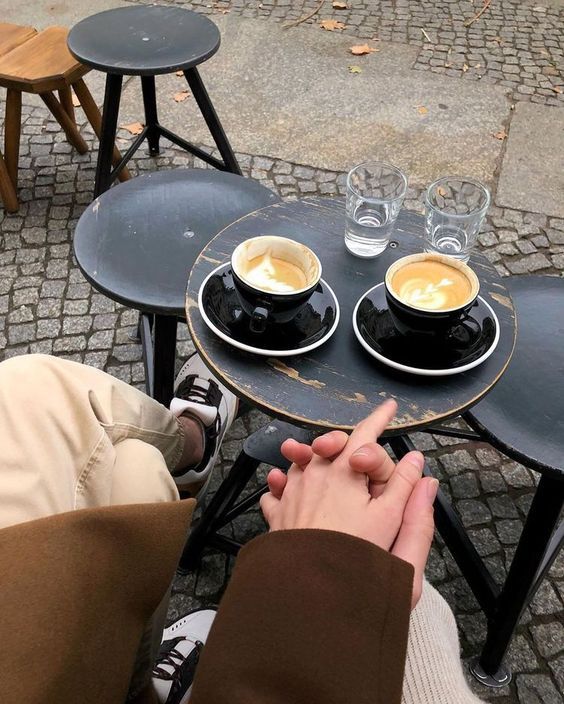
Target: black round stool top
338	384
144	40
138	241
524	413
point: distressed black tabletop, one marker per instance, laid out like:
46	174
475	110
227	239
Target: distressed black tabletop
336	385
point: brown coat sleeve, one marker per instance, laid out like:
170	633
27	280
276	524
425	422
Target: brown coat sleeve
309	617
76	591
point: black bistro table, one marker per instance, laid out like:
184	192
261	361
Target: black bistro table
336	385
147	41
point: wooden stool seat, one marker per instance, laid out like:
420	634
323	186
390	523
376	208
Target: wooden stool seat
12	35
43	63
40	63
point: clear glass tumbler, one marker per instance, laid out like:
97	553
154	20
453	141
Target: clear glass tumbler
454	210
375	192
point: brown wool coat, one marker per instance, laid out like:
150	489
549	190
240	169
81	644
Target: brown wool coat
310	617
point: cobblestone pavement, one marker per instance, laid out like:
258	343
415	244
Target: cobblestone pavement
46	305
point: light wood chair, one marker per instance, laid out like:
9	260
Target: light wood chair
40	63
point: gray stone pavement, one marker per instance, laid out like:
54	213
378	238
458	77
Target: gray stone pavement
46	306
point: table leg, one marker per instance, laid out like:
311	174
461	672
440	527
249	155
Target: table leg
110	113
533	557
212	120
164	335
151	119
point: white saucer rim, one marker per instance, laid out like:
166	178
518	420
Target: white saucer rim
419	370
259	350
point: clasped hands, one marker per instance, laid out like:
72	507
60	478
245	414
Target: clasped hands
349	483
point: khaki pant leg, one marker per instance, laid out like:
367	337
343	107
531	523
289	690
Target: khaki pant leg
60	423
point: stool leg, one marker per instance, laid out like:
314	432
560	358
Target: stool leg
151	119
65	98
88	104
108	134
7	190
63	118
212	120
227	493
12	131
164	335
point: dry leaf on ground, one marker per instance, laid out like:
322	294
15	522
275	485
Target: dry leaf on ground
557	89
339	5
355	69
422	110
181	96
441	191
179	73
332	25
465	68
501	135
362	49
133	128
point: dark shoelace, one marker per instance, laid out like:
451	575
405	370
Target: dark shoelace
190	391
169	655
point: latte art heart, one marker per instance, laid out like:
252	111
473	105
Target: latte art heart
271	273
431	285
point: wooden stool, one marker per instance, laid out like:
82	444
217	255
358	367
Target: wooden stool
39	62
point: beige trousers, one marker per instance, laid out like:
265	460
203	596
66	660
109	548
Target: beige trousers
72	437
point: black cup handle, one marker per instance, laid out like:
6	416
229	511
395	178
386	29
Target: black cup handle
259	319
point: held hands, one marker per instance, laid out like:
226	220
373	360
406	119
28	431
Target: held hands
350	484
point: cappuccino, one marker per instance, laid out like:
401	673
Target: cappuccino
432	285
270	273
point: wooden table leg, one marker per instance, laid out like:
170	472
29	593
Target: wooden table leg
66	122
95	118
7	190
12	129
65	98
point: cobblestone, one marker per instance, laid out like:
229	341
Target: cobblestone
46	306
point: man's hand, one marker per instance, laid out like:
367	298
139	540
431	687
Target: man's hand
350	484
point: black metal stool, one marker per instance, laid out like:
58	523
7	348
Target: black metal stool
137	243
523	417
147	41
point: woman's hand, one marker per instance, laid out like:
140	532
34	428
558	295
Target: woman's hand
350	484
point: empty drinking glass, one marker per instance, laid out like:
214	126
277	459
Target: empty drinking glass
375	192
454	209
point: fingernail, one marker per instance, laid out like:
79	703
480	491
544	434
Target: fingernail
432	488
358	453
417	460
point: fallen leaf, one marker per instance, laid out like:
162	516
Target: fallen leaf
355	69
362	49
181	96
477	65
179	73
448	65
501	135
557	89
465	68
441	191
332	25
75	101
133	128
421	109
339	5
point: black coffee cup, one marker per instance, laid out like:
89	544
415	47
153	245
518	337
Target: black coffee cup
263	305
411	319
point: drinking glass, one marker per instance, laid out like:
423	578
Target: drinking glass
455	209
375	192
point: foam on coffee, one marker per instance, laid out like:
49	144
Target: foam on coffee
271	273
431	285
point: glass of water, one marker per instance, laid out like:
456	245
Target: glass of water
455	208
375	192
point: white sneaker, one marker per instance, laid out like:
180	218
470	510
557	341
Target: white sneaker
173	673
199	393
